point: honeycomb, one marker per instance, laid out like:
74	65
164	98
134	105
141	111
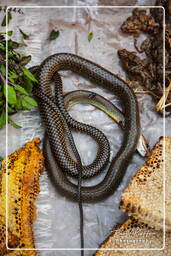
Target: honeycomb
12	239
134	234
144	197
143	201
22	171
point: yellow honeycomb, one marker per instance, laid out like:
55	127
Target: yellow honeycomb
22	170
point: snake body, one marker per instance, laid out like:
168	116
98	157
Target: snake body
58	123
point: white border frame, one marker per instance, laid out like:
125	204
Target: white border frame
164	176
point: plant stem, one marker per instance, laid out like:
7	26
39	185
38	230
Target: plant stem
147	92
162	102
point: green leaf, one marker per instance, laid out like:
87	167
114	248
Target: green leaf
13	75
29	75
21	55
90	36
2	47
25	36
25	105
20	89
31	101
2	119
11	80
25	60
19	104
3	69
54	34
28	84
10	54
10	110
12	44
9	17
10	121
9	33
11	95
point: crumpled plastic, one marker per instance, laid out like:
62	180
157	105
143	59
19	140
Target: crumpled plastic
57	223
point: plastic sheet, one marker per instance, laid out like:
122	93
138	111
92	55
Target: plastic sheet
57	224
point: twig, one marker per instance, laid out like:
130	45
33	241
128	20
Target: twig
161	104
149	92
167	105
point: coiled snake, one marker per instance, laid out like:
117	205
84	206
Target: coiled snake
60	151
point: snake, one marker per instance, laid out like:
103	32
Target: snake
58	143
98	101
61	154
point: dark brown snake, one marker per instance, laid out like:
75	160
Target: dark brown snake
59	142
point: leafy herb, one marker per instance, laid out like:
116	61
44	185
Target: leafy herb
20	79
90	36
54	34
25	36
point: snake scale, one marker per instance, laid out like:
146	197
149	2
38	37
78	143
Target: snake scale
58	124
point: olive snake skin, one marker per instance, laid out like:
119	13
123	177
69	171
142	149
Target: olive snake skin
58	124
